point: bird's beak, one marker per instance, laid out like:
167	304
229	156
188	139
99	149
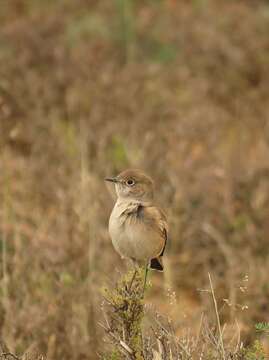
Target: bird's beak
114	180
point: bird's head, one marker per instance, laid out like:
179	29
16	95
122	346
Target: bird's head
134	185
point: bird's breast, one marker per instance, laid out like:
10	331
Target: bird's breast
130	235
119	229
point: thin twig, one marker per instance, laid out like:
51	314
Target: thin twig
226	250
133	277
5	354
238	337
126	347
217	317
199	330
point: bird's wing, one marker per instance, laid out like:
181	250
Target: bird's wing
155	218
151	216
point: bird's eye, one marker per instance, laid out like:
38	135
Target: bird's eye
130	182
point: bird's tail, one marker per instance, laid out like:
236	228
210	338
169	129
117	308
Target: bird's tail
156	264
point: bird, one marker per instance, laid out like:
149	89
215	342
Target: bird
137	227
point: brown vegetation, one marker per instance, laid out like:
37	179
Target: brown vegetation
89	88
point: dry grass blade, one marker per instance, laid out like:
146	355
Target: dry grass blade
9	355
217	318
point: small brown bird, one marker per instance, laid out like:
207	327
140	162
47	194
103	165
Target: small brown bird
137	227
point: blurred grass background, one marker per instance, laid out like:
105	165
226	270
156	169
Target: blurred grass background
89	88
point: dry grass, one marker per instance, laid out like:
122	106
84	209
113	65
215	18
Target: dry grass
89	88
137	332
